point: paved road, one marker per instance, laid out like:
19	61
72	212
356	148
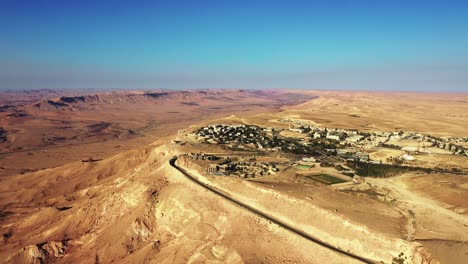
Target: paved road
265	216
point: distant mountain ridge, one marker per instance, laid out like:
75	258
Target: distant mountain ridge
188	98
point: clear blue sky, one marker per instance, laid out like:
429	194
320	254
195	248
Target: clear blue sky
355	44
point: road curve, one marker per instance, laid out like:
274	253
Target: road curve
267	217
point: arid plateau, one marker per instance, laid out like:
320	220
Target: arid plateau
233	176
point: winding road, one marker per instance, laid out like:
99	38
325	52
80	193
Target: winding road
267	217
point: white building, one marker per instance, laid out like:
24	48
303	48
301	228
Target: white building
407	157
354	138
317	135
333	137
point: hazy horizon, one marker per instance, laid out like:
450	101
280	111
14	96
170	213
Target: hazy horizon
323	45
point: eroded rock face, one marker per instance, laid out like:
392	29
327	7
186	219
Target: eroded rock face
66	216
47	252
54	249
422	256
30	254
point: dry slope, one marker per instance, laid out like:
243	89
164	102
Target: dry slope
135	208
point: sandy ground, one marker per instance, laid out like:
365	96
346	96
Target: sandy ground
435	209
438	114
450	190
336	229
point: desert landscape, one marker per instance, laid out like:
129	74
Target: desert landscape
233	176
247	131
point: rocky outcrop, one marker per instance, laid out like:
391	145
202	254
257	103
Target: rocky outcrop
422	256
47	252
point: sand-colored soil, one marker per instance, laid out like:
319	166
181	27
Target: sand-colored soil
434	206
450	190
434	113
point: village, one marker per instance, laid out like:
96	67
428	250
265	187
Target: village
306	146
241	136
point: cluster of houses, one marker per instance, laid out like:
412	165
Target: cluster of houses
203	156
321	142
225	166
244	169
225	134
243	135
353	154
372	139
349	135
451	144
342	140
327	146
368	140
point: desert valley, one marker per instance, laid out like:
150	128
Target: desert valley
233	176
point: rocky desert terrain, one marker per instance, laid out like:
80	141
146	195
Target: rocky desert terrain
109	177
49	130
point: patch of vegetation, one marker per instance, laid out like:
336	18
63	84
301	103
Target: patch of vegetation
399	259
379	170
340	167
391	146
326	164
330	178
325	178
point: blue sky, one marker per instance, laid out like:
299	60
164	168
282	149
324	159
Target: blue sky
359	44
